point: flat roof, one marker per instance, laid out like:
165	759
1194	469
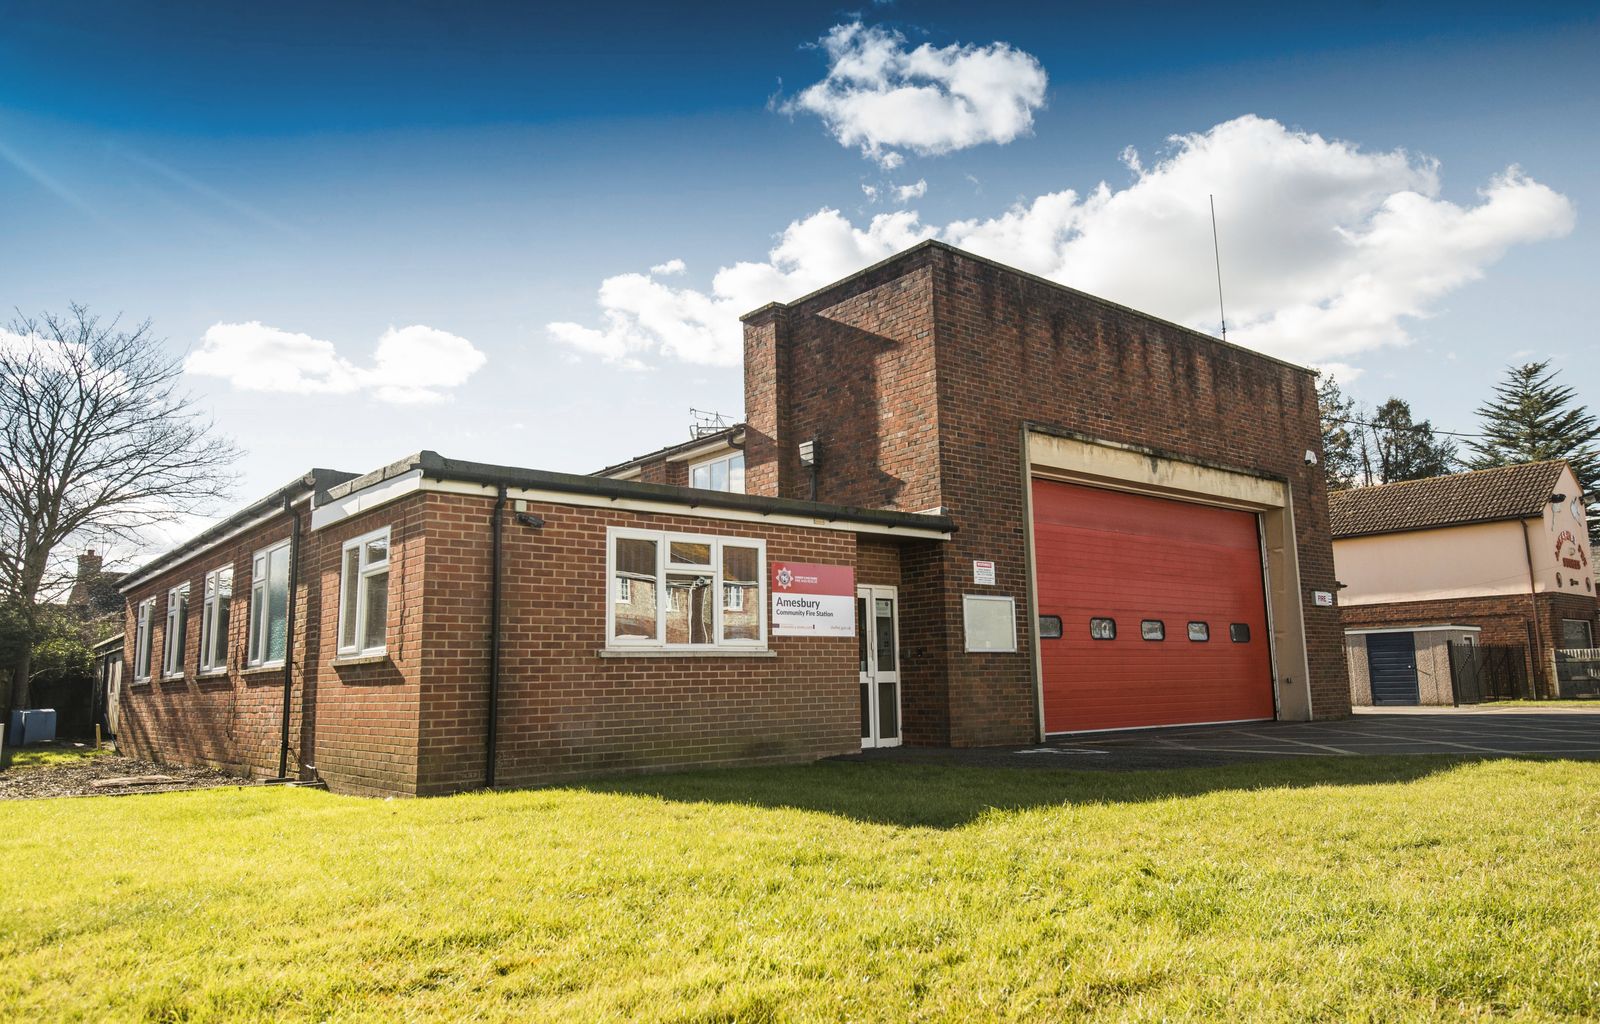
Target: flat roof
310	482
935	244
435	466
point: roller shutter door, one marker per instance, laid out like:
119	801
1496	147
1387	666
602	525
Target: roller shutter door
1133	559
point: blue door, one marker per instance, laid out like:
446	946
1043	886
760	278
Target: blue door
1392	667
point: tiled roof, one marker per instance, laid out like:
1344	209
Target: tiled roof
1483	496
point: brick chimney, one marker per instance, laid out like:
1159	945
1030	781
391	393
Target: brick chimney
89	569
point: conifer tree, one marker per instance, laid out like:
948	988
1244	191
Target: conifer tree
1532	418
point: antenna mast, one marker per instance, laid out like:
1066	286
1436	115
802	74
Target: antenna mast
1216	251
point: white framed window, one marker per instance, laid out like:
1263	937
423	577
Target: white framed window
664	588
269	606
723	473
144	617
214	607
176	637
364	594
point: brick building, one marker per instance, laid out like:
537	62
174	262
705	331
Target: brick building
1048	513
1498	558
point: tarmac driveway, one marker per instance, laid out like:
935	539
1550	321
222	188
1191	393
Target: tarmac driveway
1515	731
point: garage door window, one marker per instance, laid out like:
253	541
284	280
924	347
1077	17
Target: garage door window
1153	629
1103	629
1199	632
1239	632
1049	627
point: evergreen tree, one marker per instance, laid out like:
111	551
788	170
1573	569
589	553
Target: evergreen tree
1341	454
1406	449
1531	419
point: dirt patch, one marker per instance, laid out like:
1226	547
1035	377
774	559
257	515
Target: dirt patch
77	778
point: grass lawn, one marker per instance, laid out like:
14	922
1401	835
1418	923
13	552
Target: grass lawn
47	756
1330	890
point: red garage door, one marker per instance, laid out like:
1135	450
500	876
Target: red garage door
1163	620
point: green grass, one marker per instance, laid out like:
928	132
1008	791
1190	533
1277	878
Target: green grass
1315	890
47	756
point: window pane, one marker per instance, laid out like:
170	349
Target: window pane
689	613
224	601
741	584
348	596
885	634
258	605
377	617
861	648
688	553
888	711
701	477
719	475
277	604
736	474
635	563
378	549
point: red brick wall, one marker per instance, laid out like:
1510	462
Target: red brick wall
359	733
361	725
877	562
859	377
924	372
1503	619
660	471
566	711
230	721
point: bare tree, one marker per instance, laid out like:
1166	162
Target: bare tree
97	445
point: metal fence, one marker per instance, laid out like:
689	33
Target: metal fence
1578	672
1480	672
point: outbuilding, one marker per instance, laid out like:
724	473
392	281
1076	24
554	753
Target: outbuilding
1466	586
966	506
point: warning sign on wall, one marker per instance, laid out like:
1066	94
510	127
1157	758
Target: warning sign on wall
982	573
813	600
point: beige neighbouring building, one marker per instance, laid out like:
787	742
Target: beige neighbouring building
1497	557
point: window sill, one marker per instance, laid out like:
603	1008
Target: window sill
349	660
213	673
261	670
176	677
675	652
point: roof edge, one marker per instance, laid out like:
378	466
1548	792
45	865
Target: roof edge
435	466
313	482
936	244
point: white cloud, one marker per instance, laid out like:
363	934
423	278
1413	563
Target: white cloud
906	193
1327	251
642	317
882	97
670	267
410	365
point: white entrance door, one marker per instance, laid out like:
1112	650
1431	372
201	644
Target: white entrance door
878	645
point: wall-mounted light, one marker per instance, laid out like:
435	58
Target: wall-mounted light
808	452
1556	499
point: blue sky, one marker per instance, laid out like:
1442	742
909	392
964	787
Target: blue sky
455	182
